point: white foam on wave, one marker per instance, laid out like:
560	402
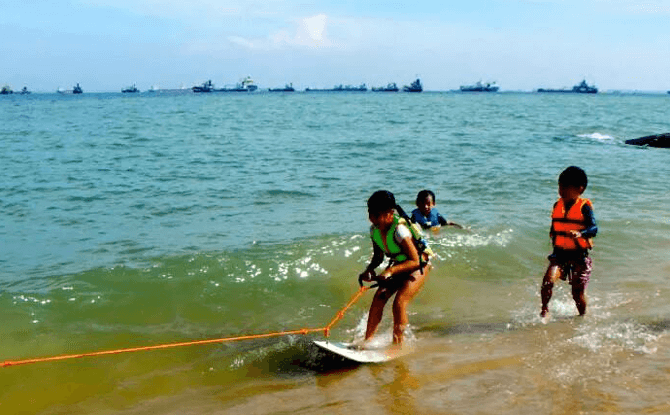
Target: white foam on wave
616	336
583	348
384	336
527	313
597	136
473	240
309	262
302	267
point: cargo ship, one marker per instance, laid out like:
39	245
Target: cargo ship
581	88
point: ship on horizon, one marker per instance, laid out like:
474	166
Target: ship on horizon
75	90
480	87
413	87
130	89
7	90
340	88
581	88
286	88
245	85
390	87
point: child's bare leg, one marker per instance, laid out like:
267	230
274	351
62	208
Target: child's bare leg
402	299
553	273
376	311
579	295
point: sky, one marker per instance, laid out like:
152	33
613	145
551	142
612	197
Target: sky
106	45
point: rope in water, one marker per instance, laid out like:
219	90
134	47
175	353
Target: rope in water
325	330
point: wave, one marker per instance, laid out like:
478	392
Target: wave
287	193
597	136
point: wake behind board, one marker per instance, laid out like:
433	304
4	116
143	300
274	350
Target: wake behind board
372	355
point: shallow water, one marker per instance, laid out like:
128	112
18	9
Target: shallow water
135	221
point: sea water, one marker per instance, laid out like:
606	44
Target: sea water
130	221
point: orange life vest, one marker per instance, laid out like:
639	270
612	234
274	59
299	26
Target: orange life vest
563	222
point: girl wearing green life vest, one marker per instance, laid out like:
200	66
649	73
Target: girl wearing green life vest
407	269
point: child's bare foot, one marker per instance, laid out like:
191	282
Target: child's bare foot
357	345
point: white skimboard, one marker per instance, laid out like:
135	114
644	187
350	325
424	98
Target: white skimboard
368	355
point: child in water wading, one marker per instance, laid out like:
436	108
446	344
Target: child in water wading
407	269
426	214
573	224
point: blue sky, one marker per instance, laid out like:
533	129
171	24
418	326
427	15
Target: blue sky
522	45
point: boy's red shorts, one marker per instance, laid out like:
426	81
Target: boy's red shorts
576	270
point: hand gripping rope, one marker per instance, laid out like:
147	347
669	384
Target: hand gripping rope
325	330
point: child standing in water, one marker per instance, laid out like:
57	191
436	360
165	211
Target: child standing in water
426	214
407	270
573	225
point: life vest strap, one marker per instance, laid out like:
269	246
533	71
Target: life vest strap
565	220
562	233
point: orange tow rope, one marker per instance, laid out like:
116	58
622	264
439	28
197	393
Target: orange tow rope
325	330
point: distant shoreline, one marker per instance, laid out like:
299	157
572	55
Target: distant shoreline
314	91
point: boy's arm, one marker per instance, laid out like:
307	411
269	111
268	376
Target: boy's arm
590	221
445	222
441	220
551	227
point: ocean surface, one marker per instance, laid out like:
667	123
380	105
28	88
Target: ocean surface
131	221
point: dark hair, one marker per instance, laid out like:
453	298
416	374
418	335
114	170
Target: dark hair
381	201
573	176
424	194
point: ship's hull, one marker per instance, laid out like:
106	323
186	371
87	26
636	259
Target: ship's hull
567	91
476	89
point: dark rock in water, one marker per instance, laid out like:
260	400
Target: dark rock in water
656	140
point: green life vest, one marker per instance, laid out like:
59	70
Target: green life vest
391	248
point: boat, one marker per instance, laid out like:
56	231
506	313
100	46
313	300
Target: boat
581	88
245	85
655	140
76	90
130	89
351	88
341	88
6	90
205	87
24	91
413	87
286	88
248	84
390	87
480	87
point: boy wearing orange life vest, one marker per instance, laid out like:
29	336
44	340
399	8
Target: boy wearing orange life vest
573	225
407	269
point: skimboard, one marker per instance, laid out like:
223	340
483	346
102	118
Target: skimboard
368	355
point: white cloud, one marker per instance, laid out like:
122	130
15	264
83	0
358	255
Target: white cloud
307	32
240	41
191	10
312	30
649	8
633	7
